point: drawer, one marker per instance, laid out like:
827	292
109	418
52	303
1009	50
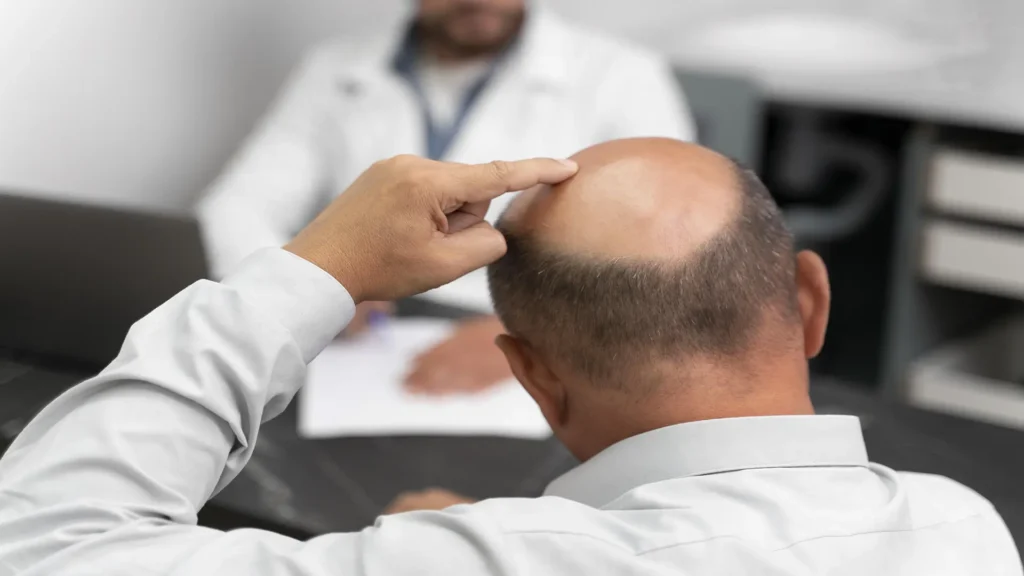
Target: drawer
979	377
978	185
974	257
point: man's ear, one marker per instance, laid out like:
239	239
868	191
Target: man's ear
814	298
536	377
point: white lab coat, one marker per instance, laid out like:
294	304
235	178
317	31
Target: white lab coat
560	90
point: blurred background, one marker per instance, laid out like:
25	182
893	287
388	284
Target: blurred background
142	103
891	131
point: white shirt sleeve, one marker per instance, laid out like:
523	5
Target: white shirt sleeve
276	181
108	478
642	97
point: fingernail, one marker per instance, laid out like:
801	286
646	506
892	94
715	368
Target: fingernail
570	163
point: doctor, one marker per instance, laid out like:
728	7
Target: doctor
465	81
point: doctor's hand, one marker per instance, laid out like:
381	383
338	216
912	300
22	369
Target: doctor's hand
429	499
466	361
408	224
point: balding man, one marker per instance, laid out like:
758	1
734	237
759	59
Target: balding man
663	328
658	315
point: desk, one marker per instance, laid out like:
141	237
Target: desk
308	487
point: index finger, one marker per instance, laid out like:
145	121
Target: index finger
483	182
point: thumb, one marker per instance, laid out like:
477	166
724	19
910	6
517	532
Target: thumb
469	249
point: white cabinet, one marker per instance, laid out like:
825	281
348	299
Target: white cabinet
978	185
973	257
979	377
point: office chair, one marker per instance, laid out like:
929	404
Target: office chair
729	113
730	116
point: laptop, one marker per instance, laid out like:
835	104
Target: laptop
75	277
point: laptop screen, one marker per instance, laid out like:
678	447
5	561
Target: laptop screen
74	278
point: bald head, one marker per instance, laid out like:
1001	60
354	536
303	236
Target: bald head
655	252
642	198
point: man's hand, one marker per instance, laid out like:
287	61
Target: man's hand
430	499
407	224
467	361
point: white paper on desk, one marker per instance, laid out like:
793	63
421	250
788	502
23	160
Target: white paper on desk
354	388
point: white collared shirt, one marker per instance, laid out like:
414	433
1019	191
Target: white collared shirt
445	85
108	479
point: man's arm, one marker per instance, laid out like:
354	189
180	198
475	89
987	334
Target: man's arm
143	445
109	477
275	182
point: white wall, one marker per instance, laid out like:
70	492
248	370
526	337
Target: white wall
139	102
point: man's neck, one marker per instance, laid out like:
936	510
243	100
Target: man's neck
429	60
443	54
778	390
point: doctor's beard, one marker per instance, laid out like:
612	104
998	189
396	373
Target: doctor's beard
464	29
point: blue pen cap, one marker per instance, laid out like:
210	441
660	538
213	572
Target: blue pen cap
377	319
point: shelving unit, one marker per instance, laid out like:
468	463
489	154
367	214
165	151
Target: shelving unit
955	339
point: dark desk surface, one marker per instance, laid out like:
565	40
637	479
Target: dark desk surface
308	487
343	484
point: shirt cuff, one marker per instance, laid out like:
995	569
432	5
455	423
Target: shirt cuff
303	298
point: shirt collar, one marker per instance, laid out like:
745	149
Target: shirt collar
404	60
713	446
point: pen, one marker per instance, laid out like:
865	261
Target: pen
377	319
378	323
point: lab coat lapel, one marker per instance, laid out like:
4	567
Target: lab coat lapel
379	114
383	121
516	115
